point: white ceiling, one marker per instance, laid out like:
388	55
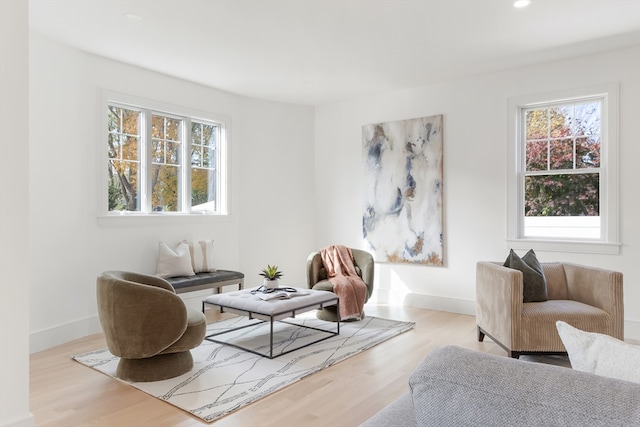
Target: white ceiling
317	51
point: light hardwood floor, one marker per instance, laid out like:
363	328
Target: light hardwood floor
66	394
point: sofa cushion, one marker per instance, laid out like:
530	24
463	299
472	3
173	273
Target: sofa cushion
323	285
456	386
600	354
533	279
192	337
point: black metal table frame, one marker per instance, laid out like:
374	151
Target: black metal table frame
251	315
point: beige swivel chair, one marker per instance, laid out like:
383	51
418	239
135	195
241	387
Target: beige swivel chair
317	278
587	298
147	325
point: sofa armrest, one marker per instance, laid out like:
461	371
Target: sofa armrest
498	301
598	288
456	386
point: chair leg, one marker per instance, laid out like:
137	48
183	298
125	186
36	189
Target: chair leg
510	353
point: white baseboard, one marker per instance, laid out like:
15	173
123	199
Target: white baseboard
451	305
632	330
47	338
463	306
56	335
28	421
429	302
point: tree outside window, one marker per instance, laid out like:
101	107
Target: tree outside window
562	160
204	138
163	162
124	159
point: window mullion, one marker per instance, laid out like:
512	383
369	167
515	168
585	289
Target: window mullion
146	161
521	152
548	138
221	198
185	164
574	138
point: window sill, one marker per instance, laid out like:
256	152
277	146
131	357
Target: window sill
565	246
126	220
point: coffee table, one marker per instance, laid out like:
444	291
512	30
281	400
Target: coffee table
276	310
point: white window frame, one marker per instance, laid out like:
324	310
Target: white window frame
608	243
147	107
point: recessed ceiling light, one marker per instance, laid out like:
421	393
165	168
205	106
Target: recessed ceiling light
522	3
133	17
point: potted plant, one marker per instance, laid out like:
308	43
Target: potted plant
271	275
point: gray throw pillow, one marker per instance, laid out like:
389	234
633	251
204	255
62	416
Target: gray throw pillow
534	282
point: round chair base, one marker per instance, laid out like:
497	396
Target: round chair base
155	368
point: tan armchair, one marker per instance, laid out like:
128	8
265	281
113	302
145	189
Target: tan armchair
587	298
317	278
147	325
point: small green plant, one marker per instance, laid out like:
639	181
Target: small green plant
271	272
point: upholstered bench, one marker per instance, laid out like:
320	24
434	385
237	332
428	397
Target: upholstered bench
190	267
207	280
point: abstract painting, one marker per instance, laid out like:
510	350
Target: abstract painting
402	218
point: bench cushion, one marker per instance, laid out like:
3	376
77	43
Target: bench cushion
205	280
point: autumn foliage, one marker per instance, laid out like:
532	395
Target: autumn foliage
165	170
562	146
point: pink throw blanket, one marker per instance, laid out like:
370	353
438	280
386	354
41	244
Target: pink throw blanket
341	272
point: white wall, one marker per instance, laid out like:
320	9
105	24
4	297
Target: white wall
271	205
475	171
276	201
282	210
14	224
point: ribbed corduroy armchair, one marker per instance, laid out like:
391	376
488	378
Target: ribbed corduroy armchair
587	298
147	325
317	278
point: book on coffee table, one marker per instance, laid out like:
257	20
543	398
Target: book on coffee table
280	295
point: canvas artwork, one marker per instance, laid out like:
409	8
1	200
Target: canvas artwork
402	218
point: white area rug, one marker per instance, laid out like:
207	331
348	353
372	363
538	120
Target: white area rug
225	379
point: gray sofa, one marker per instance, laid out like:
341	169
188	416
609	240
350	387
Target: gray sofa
453	386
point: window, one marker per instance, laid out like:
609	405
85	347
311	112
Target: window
563	171
163	160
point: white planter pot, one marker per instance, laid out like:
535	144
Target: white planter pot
271	284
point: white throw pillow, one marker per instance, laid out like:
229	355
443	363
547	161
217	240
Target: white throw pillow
202	256
600	354
174	263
